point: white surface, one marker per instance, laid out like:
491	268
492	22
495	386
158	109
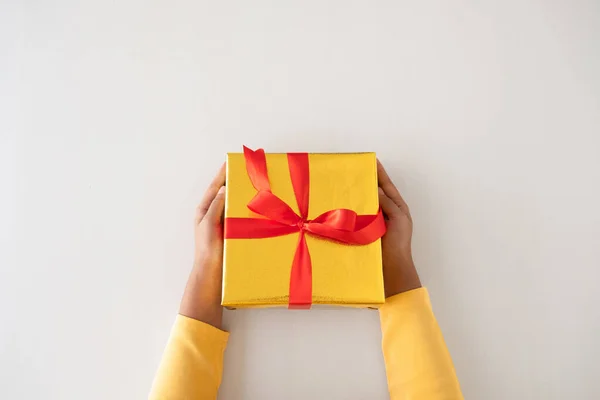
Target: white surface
115	115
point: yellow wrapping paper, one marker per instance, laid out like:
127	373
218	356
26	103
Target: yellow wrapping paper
256	272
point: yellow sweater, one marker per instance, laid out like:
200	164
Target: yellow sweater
417	362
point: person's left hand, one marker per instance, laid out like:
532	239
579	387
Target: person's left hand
202	297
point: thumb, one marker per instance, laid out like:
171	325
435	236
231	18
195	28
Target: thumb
388	205
215	211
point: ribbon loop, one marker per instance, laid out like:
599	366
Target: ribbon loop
374	228
270	206
340	219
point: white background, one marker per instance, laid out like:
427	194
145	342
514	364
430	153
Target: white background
116	114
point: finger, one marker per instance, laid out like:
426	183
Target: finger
209	195
389	207
215	210
389	188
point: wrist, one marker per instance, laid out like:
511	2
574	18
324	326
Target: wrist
202	296
400	276
207	280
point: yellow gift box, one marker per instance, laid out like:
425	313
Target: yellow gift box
256	271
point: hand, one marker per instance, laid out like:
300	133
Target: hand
202	296
399	272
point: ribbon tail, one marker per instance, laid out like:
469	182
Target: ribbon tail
256	166
301	277
300	176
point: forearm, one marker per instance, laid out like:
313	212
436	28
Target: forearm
418	364
192	364
202	296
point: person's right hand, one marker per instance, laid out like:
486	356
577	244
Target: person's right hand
399	272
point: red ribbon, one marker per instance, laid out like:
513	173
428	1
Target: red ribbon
340	225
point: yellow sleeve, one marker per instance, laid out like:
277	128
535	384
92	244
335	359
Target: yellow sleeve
417	362
192	363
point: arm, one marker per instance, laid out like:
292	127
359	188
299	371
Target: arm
417	362
192	363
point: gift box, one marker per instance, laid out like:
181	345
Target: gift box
302	229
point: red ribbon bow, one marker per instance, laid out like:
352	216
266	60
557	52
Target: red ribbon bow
341	225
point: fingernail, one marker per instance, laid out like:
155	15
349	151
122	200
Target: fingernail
221	190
